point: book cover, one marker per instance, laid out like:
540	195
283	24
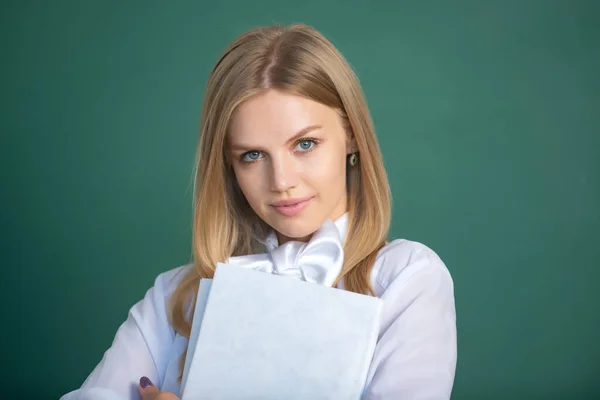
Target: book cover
262	336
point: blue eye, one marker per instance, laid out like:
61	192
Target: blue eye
252	156
305	145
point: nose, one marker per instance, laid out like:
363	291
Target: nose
284	173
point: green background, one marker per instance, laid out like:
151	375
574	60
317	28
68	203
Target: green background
487	114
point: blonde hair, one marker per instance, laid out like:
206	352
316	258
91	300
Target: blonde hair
297	60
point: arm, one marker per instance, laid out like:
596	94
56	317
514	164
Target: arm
415	357
140	347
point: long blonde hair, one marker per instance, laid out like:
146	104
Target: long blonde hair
297	60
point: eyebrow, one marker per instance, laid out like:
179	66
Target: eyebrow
296	136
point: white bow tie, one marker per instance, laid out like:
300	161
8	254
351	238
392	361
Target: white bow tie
318	261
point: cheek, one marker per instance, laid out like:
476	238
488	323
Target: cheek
326	172
249	181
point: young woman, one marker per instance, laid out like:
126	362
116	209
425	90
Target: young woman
287	145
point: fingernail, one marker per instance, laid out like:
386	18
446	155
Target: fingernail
145	382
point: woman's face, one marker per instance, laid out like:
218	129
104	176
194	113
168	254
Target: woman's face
289	158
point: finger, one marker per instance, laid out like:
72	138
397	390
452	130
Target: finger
147	389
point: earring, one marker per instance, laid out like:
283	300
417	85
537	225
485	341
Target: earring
353	158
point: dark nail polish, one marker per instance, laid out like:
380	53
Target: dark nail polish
145	382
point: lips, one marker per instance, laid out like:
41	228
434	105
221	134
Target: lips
292	207
291	202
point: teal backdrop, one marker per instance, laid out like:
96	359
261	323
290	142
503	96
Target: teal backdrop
488	115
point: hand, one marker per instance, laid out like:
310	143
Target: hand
150	392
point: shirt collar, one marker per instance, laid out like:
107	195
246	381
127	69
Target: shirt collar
341	223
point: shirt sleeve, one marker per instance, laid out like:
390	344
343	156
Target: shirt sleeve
415	356
140	348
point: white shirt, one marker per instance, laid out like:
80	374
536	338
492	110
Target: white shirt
415	355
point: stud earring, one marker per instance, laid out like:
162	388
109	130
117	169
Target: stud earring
353	158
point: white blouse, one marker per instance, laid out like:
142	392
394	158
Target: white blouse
415	355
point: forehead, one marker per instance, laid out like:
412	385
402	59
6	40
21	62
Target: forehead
278	114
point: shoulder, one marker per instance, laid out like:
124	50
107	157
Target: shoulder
166	282
402	261
151	312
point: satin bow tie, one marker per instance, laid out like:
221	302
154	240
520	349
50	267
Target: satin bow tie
319	260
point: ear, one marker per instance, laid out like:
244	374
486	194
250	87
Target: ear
351	145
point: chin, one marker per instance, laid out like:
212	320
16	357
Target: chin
299	234
294	227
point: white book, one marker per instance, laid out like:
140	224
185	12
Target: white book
261	336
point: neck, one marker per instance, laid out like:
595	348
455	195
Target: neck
282	239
